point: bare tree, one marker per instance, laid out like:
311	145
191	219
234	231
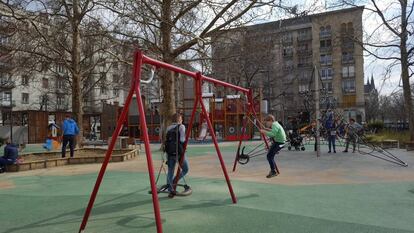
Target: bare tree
392	40
175	30
67	34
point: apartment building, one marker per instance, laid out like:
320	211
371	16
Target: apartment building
282	59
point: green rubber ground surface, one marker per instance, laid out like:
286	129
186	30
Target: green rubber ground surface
56	204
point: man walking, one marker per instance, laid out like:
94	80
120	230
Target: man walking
70	130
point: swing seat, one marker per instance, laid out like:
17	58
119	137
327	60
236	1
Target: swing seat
243	158
164	189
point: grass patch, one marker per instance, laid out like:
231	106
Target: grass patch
401	136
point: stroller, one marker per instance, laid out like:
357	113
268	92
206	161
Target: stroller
295	140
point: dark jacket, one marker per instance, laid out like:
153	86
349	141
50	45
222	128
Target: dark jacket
11	152
70	127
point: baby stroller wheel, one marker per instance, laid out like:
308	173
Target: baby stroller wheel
302	148
289	147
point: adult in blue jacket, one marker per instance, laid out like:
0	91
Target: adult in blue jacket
10	154
70	130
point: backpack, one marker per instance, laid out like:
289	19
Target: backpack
172	142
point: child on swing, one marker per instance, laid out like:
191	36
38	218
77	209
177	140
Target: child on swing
276	132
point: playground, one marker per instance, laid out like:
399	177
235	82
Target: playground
342	192
368	190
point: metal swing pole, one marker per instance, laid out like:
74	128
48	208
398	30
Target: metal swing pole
199	79
135	88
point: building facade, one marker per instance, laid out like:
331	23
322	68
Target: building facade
30	84
283	59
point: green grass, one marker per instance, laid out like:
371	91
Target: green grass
401	136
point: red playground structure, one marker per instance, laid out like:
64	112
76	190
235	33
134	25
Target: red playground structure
139	60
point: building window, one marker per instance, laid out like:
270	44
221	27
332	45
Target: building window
7	97
45	83
5	79
326	43
116	92
327	86
348	71
25	80
304	34
60	68
4	40
304	62
60	100
326	59
348	85
304	49
115	65
288	51
287	38
325	32
303	88
115	78
347	57
25	98
60	83
326	73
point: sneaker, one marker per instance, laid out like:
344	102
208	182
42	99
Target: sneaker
271	174
171	194
329	151
334	151
353	151
345	151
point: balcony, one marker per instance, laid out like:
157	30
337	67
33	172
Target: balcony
288	69
348	75
326	62
348	60
325	34
304	52
349	45
304	37
348	90
305	65
325	49
287	40
287	54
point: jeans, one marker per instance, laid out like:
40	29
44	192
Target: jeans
331	141
71	140
4	162
171	168
274	148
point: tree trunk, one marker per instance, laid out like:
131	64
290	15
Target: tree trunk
167	78
76	70
404	69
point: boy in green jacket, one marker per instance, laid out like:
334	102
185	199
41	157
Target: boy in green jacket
276	132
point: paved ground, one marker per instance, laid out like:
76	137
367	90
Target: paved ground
333	193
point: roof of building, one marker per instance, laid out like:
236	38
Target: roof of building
301	19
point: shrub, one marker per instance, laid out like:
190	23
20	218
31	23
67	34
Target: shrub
376	126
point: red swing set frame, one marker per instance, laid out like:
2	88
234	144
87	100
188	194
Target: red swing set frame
139	60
